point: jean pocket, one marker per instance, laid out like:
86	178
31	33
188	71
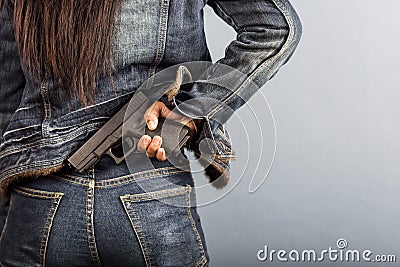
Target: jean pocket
165	228
24	238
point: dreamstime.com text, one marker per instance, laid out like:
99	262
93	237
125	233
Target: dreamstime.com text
338	254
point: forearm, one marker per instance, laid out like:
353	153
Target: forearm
267	34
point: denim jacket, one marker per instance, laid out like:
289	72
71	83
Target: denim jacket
39	130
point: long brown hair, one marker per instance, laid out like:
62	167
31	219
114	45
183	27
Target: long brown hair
69	41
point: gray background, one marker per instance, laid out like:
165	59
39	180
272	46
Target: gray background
336	172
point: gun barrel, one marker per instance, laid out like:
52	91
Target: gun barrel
104	139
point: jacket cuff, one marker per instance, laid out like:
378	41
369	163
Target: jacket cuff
211	144
213	149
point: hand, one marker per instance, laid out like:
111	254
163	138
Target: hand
152	146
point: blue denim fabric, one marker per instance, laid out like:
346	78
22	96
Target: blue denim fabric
104	218
39	130
64	218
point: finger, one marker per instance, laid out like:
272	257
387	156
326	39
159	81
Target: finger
143	143
151	115
154	146
161	156
171	115
159	109
152	121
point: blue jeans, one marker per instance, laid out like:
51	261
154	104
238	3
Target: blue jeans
104	218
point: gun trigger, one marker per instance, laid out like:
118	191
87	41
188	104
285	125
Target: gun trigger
117	160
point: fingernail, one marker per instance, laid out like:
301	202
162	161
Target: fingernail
157	140
151	125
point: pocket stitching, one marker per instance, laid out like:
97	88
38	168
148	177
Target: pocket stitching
137	229
47	228
162	194
36	193
203	259
156	194
56	196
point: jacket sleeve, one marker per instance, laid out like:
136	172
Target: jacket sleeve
268	32
12	79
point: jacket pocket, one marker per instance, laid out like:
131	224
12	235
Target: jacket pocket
24	238
163	223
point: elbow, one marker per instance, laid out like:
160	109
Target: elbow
297	28
294	25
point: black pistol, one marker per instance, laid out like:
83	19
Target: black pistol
119	136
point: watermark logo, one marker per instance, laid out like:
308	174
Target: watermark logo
340	253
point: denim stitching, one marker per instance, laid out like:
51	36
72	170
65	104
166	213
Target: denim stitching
200	243
138	175
129	175
62	139
201	262
69	180
275	58
225	147
19	129
47	108
97	105
157	194
36	193
222	134
136	228
140	178
24	108
216	165
89	220
161	172
98	119
22	137
47	228
162	36
209	134
56	196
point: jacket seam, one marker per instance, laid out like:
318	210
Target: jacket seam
162	37
51	140
47	108
19	129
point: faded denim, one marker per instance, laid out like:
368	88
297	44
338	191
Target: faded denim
104	218
39	130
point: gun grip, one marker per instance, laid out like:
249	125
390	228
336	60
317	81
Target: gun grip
174	135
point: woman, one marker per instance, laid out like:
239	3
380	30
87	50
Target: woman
65	68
